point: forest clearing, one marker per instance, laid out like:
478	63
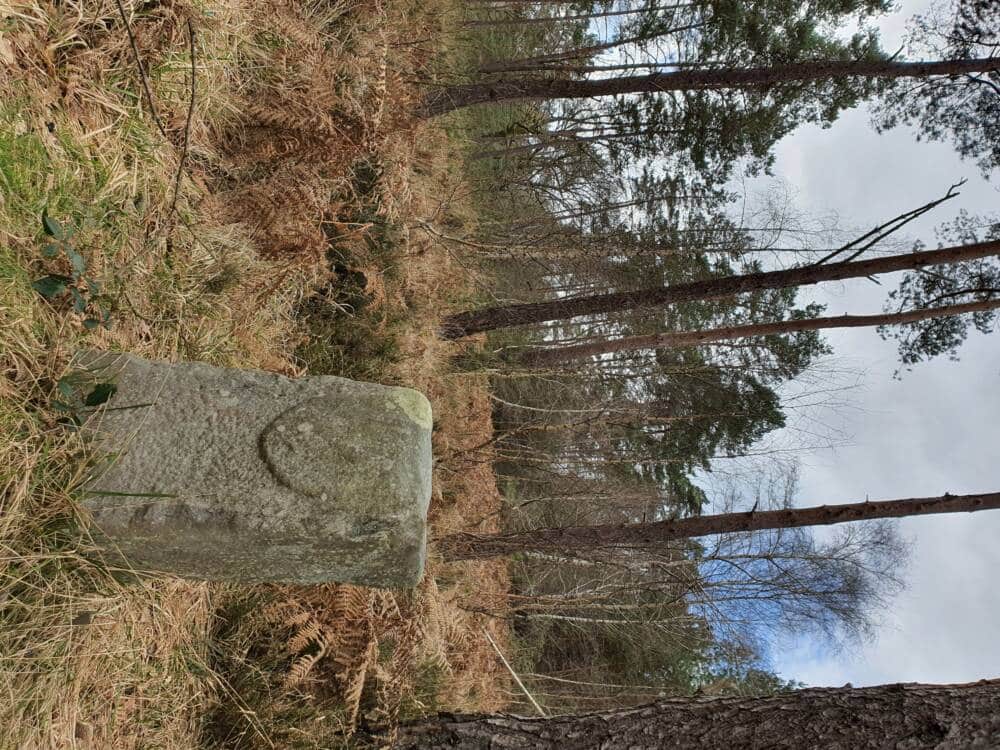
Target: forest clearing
529	211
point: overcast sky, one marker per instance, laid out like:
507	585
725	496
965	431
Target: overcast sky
937	430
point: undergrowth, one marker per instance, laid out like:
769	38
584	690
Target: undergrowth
350	331
286	223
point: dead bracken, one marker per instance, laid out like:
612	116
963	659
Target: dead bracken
291	104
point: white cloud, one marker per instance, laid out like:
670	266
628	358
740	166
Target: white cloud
942	630
937	430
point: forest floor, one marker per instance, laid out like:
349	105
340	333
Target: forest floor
284	213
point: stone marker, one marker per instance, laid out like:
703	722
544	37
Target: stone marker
243	475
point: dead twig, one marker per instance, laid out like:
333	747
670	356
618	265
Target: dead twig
513	674
142	69
884	230
187	123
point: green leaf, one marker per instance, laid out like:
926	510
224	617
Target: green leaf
51	250
93	286
51	286
65	387
101	393
91	323
79	303
76	260
51	227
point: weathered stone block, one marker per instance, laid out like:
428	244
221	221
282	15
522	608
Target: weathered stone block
243	475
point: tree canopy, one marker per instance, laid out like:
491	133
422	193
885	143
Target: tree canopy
938	286
963	109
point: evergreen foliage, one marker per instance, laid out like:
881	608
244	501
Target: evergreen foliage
946	285
963	109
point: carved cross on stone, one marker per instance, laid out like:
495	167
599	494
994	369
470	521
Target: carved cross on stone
242	475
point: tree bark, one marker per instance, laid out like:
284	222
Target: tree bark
538	62
912	716
549	356
490	318
537	20
455	97
470	546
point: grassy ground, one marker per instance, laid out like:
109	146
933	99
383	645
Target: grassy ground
290	219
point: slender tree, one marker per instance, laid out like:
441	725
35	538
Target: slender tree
549	356
704	131
912	715
542	20
476	321
469	546
464	95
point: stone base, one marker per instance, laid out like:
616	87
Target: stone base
242	475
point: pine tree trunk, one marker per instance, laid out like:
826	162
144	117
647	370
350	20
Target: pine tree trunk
911	716
542	20
491	318
465	95
470	546
540	62
550	356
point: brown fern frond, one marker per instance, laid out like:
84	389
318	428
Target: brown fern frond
295	30
310	632
384	715
295	117
304	664
352	681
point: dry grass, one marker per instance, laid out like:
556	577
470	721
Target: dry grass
290	99
465	496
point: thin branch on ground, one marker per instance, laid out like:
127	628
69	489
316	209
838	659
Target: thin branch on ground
513	674
187	123
142	69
